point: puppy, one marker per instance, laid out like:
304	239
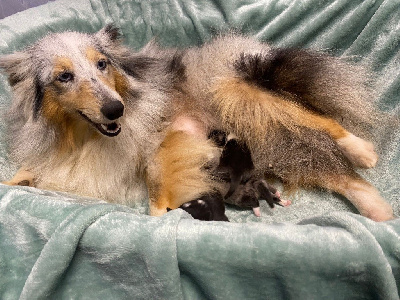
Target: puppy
92	117
236	168
236	161
248	195
209	207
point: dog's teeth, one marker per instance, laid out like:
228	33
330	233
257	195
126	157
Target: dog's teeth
113	127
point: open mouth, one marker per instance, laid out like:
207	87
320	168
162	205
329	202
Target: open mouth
108	129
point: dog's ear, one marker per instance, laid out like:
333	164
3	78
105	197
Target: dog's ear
18	66
113	32
23	78
110	33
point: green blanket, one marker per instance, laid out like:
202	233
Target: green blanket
59	246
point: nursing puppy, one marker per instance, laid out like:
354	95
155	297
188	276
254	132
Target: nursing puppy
91	117
209	207
235	164
236	168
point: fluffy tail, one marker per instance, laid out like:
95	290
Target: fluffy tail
286	105
321	83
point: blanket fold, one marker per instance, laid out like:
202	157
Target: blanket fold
103	251
336	256
59	250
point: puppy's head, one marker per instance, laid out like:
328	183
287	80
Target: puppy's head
70	76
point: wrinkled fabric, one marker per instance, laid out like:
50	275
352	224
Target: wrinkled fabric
52	249
58	246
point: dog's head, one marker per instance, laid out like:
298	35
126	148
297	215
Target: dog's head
70	76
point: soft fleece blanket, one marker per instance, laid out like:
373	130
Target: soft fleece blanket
59	246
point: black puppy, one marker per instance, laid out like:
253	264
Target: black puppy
236	161
248	195
236	167
209	207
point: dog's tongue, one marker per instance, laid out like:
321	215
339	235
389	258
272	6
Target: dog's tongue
112	127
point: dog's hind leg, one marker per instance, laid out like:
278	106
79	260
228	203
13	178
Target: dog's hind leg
237	99
320	84
361	194
22	177
360	152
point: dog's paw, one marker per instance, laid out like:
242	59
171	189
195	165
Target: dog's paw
361	153
24	182
156	211
21	178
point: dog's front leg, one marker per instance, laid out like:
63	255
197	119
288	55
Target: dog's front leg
22	177
177	173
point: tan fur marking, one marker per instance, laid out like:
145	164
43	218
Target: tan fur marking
22	177
237	100
179	162
52	109
120	83
62	64
361	194
93	55
69	101
61	111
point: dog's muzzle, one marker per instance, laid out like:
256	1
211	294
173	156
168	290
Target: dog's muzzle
112	110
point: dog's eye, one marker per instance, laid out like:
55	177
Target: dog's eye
65	77
102	64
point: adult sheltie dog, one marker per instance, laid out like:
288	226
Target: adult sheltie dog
90	116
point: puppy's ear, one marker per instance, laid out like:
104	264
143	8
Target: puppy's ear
18	66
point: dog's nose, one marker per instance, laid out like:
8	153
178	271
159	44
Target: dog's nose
112	109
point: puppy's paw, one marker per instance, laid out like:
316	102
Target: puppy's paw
284	202
361	153
250	194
